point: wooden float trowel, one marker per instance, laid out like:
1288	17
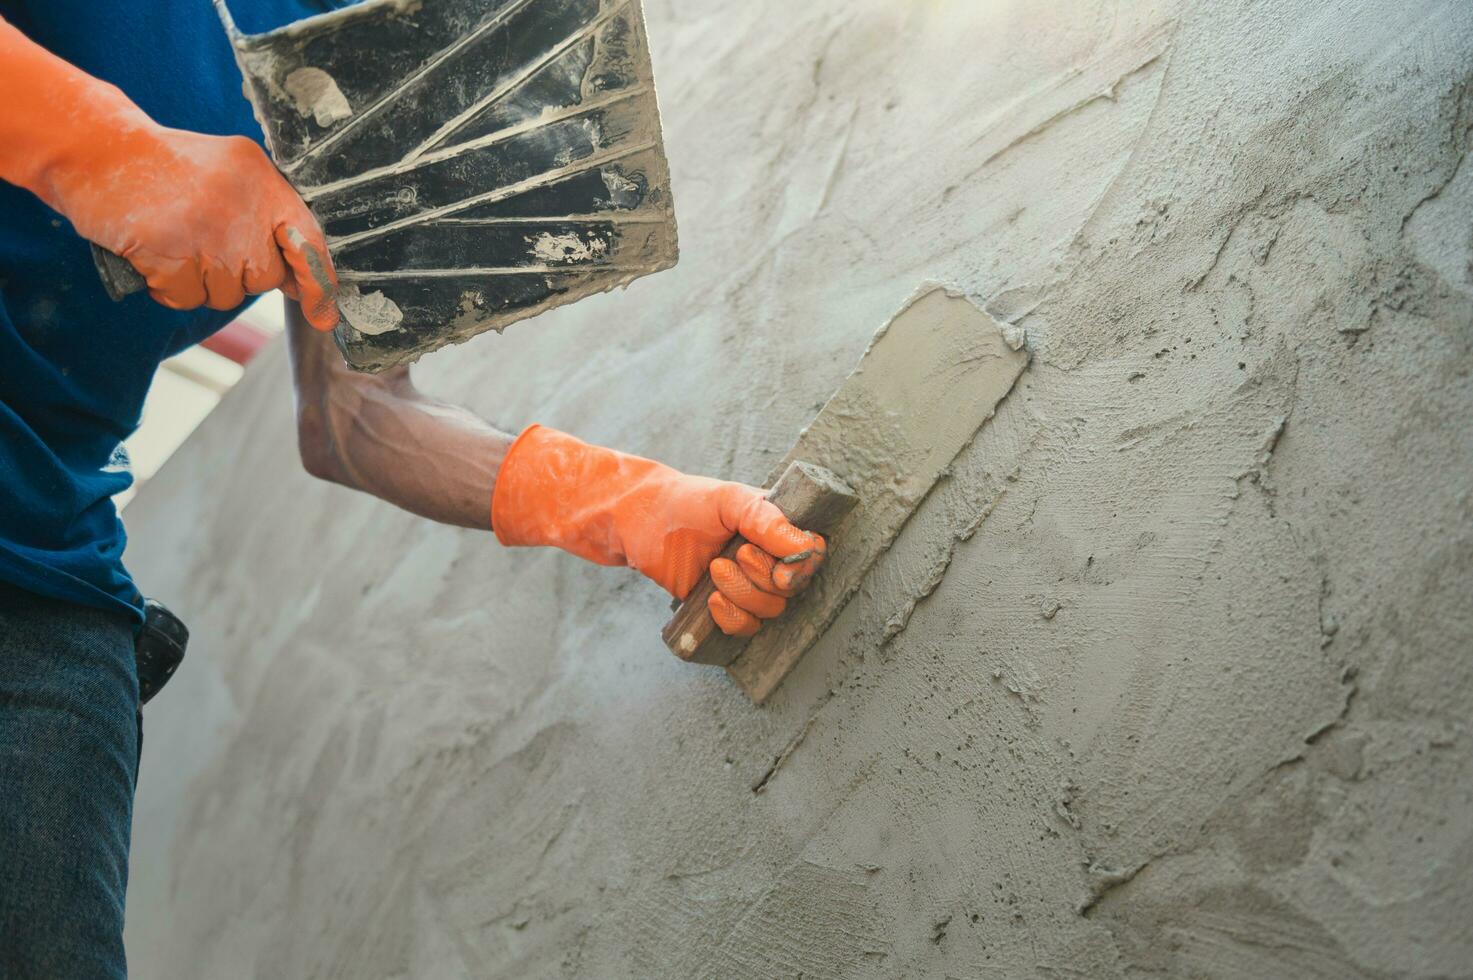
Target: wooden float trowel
927	383
473	162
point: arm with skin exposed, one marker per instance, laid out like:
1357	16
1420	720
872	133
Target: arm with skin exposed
380	435
208	219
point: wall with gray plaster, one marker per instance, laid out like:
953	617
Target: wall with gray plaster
1171	678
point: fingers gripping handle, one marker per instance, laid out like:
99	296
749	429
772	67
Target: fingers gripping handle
811	497
118	276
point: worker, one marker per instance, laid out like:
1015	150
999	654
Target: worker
122	123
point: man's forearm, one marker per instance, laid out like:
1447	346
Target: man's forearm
378	434
204	219
50	107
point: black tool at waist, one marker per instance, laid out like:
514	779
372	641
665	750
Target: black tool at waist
159	648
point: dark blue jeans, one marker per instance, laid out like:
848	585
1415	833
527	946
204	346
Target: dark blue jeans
69	744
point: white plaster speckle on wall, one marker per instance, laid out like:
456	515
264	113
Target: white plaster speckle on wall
1168	678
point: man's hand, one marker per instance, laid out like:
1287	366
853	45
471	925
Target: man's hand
205	219
757	585
616	509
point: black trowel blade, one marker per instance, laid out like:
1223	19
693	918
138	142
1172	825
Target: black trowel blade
473	162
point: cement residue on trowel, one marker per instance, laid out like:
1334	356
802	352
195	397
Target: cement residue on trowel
372	313
623	192
567	249
316	94
930	379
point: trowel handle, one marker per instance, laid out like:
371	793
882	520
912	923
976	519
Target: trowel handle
118	276
811	497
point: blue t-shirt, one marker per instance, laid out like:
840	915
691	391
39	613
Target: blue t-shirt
75	366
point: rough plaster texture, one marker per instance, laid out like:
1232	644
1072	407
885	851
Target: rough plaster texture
1171	678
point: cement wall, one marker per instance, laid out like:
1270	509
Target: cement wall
1171	678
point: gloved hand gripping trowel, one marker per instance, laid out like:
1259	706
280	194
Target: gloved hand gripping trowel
930	379
473	162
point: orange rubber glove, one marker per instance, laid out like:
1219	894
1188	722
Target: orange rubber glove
615	509
205	219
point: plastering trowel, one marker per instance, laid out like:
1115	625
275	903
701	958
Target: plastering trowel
927	383
473	162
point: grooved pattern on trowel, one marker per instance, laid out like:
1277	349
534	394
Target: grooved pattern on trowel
928	382
472	162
